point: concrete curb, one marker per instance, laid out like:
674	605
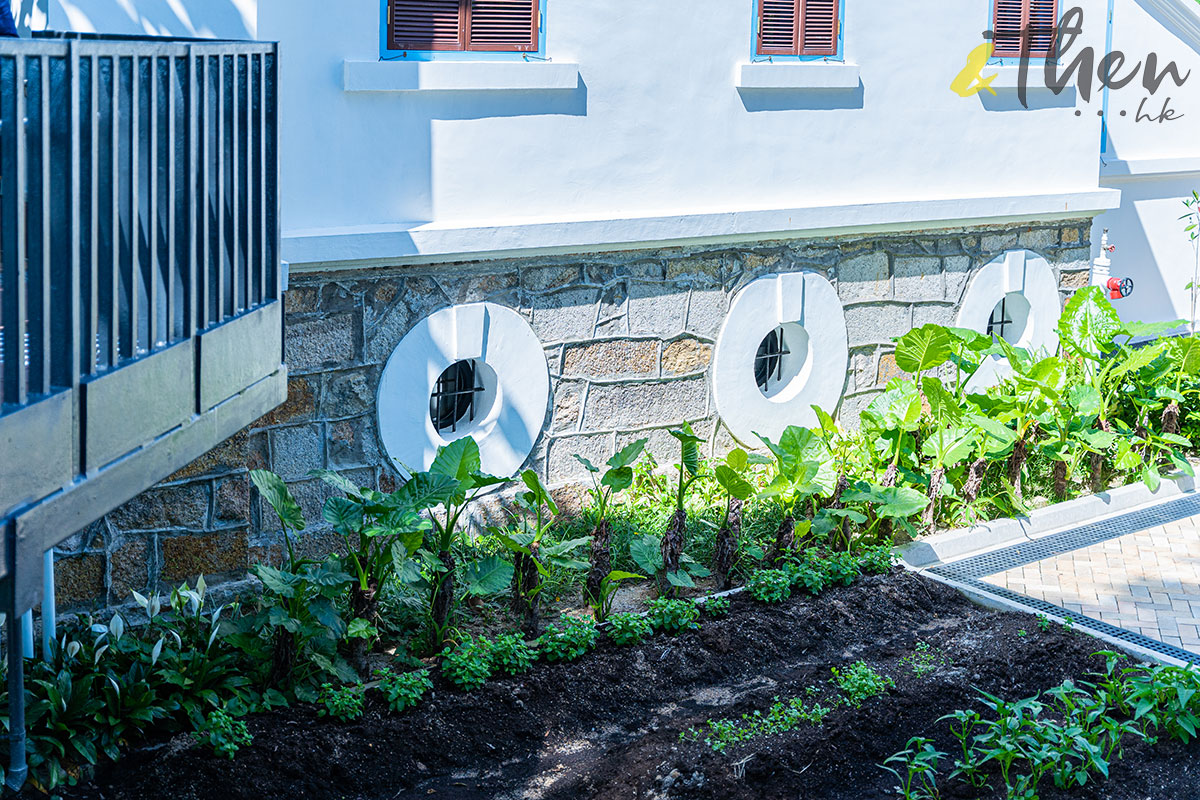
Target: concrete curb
957	544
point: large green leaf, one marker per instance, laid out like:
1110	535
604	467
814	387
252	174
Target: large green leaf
970	339
275	491
898	407
488	575
942	403
646	552
689	444
457	460
426	490
900	501
618	479
737	459
588	465
1189	354
343	514
1089	322
1084	399
628	454
923	348
733	483
337	481
537	494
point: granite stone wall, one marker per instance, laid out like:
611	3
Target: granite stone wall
628	338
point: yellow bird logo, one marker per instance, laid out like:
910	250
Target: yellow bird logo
971	81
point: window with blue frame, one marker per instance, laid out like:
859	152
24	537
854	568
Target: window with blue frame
495	26
1024	28
798	27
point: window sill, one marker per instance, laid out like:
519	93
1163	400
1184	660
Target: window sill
814	75
458	76
1009	79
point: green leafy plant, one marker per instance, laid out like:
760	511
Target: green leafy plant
717	607
803	471
469	665
924	660
672	576
919	762
223	733
511	654
601	602
673	616
859	682
731	477
405	689
614	480
627	628
769	586
577	637
646	550
344	703
781	717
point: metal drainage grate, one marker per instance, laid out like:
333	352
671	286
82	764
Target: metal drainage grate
969	570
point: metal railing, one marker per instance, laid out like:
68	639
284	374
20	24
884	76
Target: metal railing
138	200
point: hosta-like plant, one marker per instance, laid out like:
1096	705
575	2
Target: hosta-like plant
803	471
673	539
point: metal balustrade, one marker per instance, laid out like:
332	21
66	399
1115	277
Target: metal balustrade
140	322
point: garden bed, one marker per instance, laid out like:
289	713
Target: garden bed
610	724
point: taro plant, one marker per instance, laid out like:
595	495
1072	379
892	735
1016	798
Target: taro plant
601	604
731	476
453	480
533	556
948	445
380	533
803	470
673	539
614	480
646	550
889	424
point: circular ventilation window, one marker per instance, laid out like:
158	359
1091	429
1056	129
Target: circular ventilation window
783	363
463	394
1010	319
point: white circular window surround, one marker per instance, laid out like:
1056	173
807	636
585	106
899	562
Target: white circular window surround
473	370
763	384
1014	297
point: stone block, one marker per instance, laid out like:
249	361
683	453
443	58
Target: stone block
297	450
850	412
762	263
958	274
129	569
311	345
877	324
233	500
919	279
635	405
479	288
187	556
301	403
686	356
1069	236
385	333
301	299
935	313
163	507
353	443
698	270
229	455
79	581
645	269
993	244
1038	239
266	548
318	544
568	404
562	467
656	309
864	278
568	315
337	297
888	370
349	393
619	358
1075	279
613	316
545	278
863	368
706	313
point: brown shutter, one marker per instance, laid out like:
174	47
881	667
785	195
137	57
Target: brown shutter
1015	17
778	27
510	25
819	23
426	25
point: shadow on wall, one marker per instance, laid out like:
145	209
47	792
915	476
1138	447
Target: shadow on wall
1038	97
228	19
801	99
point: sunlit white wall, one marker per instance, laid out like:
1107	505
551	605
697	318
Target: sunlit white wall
236	19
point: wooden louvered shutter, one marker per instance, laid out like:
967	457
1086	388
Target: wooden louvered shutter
819	27
510	25
427	25
1016	18
778	27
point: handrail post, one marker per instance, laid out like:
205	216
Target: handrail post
17	768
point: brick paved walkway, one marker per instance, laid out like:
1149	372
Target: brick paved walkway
1146	582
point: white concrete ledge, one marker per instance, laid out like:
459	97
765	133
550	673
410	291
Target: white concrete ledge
955	545
806	75
1149	167
431	242
1008	79
458	76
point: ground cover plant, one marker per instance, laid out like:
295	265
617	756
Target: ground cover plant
418	597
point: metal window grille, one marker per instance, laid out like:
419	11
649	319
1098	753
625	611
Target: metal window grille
768	362
453	400
998	324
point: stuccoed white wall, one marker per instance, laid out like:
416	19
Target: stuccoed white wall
232	19
657	125
1152	247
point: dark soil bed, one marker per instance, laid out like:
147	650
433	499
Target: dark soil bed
608	726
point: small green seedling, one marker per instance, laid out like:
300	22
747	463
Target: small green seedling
344	703
222	733
403	690
717	606
1043	622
